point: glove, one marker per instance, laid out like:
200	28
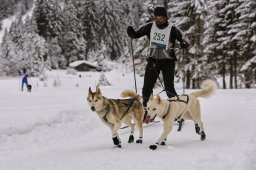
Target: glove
130	31
184	44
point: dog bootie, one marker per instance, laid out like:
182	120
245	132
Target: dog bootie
197	128
203	135
116	142
153	147
139	140
131	139
180	122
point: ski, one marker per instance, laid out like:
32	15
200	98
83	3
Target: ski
144	125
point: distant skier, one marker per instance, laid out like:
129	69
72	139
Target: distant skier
25	81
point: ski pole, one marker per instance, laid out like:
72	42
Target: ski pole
133	66
183	71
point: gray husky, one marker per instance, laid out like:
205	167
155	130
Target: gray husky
114	112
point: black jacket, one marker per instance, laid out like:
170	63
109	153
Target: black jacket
160	54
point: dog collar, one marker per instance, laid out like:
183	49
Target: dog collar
106	109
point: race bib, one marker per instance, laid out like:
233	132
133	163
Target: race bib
159	38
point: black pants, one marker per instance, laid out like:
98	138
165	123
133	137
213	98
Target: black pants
152	72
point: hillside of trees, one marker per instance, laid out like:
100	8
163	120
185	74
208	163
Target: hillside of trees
11	7
222	35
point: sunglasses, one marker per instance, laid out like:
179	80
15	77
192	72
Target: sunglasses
159	17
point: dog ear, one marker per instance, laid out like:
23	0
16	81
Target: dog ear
158	99
98	90
90	90
151	96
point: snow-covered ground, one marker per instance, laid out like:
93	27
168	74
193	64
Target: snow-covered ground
52	128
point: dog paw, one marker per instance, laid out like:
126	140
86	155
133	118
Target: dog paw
131	139
203	135
139	141
153	147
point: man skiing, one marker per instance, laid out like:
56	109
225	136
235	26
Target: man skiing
162	36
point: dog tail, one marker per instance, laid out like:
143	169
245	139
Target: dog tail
208	87
130	93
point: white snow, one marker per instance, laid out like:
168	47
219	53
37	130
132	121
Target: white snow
52	128
253	39
248	63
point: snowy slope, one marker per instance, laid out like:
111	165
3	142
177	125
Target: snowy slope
53	128
6	23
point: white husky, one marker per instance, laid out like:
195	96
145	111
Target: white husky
181	107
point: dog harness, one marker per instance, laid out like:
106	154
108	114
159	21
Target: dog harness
128	107
178	100
107	109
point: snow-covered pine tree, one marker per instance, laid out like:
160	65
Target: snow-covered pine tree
49	22
34	49
39	12
246	27
23	48
188	15
56	57
228	41
135	10
249	70
55	18
111	32
10	7
210	55
11	45
72	41
10	56
215	29
3	62
16	31
49	19
148	11
89	24
141	45
103	80
5	10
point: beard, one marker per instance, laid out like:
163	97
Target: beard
161	25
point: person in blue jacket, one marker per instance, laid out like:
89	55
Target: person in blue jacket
24	79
